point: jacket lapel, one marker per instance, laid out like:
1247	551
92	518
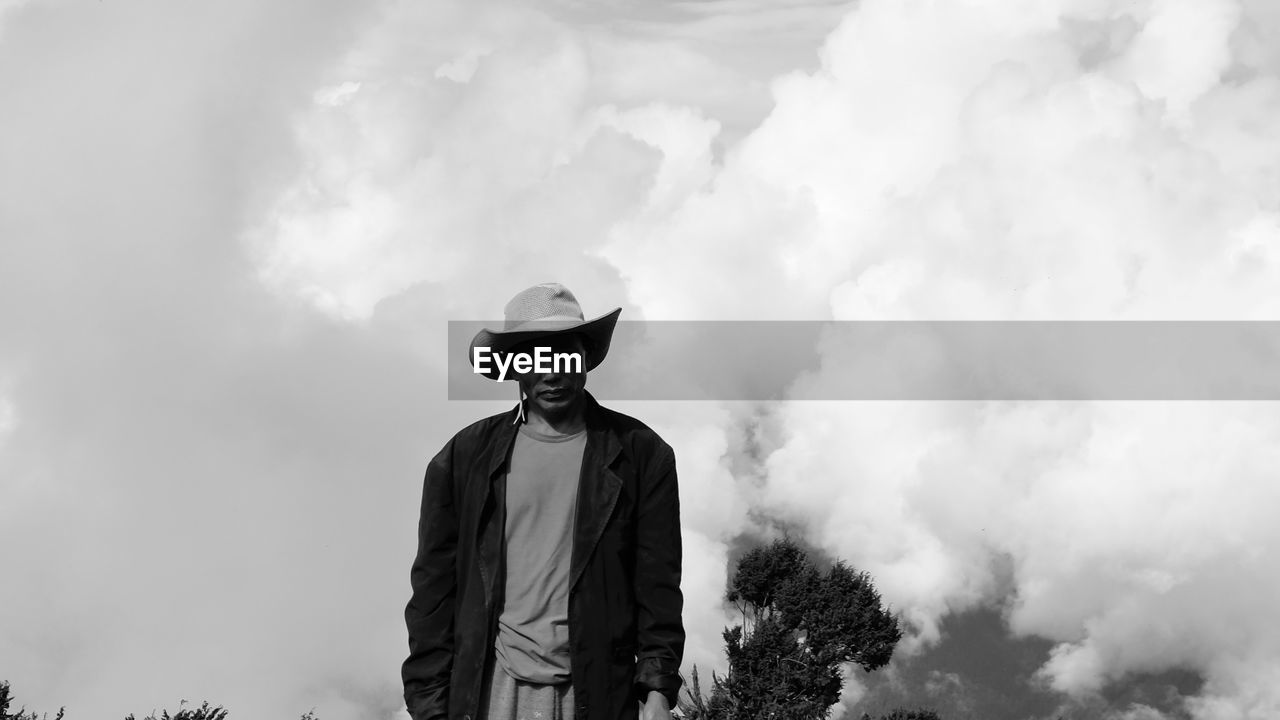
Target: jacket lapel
490	527
598	488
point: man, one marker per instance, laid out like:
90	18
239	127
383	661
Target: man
547	579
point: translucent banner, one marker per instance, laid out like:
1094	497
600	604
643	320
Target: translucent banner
917	360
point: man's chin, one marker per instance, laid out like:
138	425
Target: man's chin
559	405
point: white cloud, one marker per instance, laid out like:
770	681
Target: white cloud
851	691
9	6
335	95
1138	711
977	160
1181	51
943	682
461	68
963	160
423	178
8	417
1065	159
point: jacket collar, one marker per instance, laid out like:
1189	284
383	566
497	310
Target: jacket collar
600	434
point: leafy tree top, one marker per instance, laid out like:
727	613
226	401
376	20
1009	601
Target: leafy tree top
799	626
839	613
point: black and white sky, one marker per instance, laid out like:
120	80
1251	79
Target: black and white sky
232	235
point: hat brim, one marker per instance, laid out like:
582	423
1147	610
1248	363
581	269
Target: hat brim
599	331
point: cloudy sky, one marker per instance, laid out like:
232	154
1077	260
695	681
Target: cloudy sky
232	235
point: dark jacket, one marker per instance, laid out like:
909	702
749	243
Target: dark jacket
625	631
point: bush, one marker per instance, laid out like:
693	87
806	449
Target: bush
204	712
6	699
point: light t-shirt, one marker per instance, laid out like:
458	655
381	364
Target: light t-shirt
542	498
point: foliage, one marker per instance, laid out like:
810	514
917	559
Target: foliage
6	699
762	571
799	626
204	712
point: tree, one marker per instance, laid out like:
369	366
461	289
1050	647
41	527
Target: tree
204	712
799	625
6	699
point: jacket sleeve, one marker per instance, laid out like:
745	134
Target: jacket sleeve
659	602
430	612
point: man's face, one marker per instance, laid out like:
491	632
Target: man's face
555	394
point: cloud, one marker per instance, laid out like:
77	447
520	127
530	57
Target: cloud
228	232
977	160
8	7
450	148
1139	711
983	161
8	417
175	504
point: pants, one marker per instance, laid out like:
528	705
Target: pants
511	699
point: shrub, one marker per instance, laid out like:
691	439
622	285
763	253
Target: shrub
6	699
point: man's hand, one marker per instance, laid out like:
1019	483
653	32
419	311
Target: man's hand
656	707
